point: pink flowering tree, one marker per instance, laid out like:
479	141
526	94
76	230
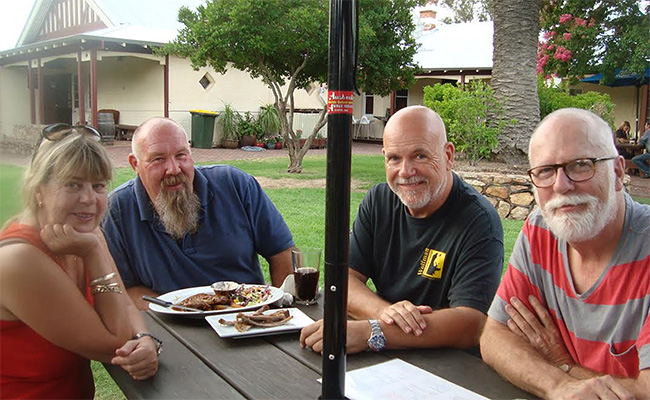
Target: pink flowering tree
580	37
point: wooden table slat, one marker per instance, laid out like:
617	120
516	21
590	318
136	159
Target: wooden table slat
197	363
255	368
180	375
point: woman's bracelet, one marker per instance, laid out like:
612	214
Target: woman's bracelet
110	288
102	279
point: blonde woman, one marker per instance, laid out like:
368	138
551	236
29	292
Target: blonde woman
623	133
62	302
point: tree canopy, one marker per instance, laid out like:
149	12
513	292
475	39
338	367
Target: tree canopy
588	36
285	42
468	10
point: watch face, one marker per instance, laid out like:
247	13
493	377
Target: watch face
377	342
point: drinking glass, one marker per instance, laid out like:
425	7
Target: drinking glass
306	266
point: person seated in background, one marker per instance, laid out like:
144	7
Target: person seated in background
61	300
176	225
622	136
623	133
571	316
642	160
432	245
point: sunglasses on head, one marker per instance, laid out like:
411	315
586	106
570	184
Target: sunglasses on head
58	131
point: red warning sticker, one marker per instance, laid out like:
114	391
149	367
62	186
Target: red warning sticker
340	102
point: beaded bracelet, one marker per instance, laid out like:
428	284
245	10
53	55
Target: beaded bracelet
111	288
102	279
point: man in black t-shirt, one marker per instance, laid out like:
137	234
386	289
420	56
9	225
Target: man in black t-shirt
432	245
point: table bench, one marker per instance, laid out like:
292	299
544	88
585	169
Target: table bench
124	131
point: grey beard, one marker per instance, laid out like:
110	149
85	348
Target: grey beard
178	211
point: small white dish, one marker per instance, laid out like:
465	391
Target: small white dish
299	321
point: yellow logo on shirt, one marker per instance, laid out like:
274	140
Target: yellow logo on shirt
431	264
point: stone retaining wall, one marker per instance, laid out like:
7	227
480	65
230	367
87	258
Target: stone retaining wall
21	140
511	195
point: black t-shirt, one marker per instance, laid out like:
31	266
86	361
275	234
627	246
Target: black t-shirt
449	259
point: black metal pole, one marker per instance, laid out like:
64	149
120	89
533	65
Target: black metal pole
337	213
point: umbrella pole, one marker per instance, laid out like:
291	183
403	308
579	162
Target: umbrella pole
337	212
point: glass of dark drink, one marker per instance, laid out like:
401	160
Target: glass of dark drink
306	266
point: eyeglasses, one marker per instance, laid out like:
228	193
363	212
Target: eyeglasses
579	170
58	131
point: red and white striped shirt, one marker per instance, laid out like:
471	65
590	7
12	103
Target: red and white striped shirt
606	328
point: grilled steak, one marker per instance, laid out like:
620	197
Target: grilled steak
206	302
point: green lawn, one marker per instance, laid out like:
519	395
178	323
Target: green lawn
303	210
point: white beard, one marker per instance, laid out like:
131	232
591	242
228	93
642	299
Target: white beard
575	227
417	200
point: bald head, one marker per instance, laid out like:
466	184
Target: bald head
415	120
573	128
418	159
154	126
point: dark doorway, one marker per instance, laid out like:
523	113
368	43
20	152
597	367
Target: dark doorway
58	102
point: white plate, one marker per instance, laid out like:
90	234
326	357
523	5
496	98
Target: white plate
181	294
299	321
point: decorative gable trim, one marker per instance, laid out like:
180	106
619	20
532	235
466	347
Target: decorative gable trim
55	19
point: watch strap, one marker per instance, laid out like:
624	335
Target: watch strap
158	342
377	340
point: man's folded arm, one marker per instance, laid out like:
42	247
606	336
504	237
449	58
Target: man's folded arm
457	327
518	362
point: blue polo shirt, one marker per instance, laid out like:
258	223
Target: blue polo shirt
237	222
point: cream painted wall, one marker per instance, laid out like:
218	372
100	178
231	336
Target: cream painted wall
624	101
14	99
234	87
133	86
416	92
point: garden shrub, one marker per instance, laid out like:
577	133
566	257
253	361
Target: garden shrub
472	117
553	97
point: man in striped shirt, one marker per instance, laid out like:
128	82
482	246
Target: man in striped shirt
571	316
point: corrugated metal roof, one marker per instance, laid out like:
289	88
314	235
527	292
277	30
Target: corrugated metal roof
134	34
456	46
447	47
158	14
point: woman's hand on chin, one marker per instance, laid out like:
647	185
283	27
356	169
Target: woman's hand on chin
64	239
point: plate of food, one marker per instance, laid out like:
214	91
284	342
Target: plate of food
261	322
207	301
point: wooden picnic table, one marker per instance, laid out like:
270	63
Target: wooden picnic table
629	150
630	146
196	363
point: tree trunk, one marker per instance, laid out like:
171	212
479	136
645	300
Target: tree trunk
516	30
296	152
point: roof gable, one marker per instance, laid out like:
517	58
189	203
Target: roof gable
52	19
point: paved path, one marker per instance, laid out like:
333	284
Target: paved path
120	150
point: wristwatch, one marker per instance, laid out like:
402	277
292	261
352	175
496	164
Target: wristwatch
158	342
377	340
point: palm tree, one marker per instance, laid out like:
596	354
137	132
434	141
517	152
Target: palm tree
516	28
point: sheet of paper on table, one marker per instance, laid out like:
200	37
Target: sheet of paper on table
397	379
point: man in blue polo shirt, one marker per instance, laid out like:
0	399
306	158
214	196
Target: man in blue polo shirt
176	225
